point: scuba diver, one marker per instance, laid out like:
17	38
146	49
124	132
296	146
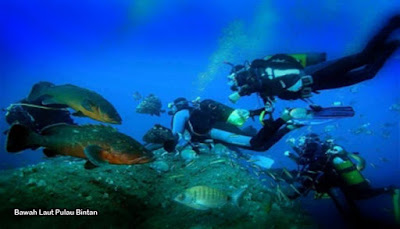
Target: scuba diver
284	77
327	168
35	116
210	120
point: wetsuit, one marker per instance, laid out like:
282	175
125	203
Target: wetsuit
34	117
284	77
338	176
208	121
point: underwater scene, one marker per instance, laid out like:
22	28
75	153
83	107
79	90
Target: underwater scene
200	114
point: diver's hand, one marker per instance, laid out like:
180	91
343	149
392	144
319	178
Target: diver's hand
238	117
286	153
269	107
182	143
291	142
285	116
243	113
234	97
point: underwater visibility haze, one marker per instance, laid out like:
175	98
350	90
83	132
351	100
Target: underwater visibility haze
89	107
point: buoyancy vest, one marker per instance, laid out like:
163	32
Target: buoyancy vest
282	76
209	112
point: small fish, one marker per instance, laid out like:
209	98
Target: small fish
373	165
158	134
295	189
176	176
288	174
83	101
218	161
104	146
150	105
204	197
137	96
189	164
271	175
383	159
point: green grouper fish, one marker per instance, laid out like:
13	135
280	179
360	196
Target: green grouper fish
83	101
97	143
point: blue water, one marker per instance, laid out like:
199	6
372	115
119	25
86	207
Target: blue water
162	48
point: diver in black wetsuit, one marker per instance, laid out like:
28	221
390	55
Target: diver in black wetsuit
209	119
36	116
327	168
284	77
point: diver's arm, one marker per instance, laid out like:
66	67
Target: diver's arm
179	122
292	156
230	138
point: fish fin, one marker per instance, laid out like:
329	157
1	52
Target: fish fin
236	196
49	152
92	153
87	104
49	100
38	90
50	129
90	165
78	114
20	138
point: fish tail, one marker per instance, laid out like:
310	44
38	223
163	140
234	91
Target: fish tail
20	138
38	90
237	195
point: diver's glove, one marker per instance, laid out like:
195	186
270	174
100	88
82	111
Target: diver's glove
181	144
288	119
285	116
238	117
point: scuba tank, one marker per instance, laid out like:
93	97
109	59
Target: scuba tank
349	172
306	59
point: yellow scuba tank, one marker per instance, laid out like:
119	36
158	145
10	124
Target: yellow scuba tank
307	59
349	172
360	161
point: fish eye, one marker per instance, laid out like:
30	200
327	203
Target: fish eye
181	197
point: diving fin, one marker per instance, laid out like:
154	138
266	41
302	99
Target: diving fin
93	154
334	112
322	115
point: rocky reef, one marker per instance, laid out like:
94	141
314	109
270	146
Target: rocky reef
140	196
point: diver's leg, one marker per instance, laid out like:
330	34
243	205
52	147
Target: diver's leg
346	206
266	133
365	73
230	138
275	138
332	75
377	41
